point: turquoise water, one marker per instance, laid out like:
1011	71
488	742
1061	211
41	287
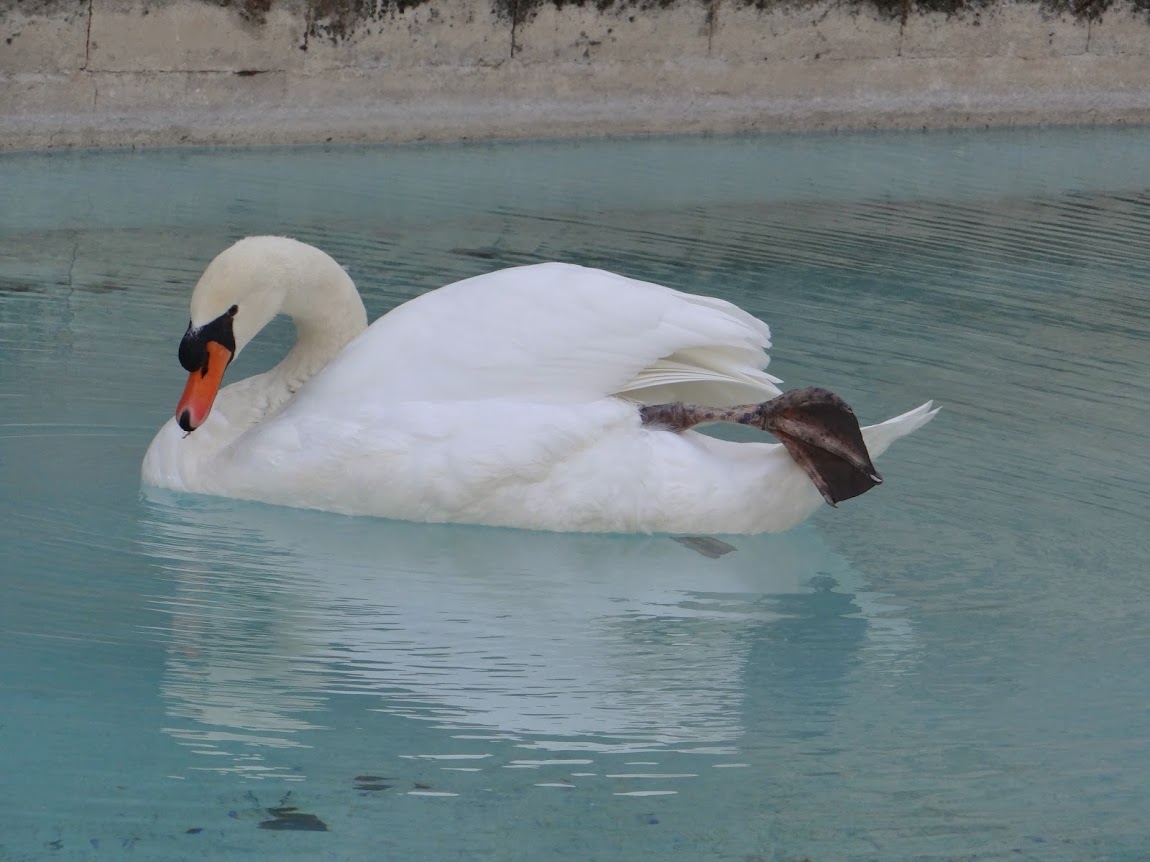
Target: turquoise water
952	667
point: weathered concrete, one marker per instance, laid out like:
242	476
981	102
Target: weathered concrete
820	31
150	72
31	43
998	31
186	37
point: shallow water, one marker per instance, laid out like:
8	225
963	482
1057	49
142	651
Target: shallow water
950	667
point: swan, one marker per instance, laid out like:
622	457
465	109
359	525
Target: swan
550	397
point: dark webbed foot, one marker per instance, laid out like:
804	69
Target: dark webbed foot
818	429
822	435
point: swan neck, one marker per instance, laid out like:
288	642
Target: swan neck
328	313
316	346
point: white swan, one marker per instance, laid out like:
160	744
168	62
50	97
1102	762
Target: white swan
520	398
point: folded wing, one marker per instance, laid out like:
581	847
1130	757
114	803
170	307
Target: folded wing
556	334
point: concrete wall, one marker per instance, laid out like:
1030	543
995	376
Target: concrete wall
143	72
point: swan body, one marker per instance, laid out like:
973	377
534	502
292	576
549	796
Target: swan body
508	399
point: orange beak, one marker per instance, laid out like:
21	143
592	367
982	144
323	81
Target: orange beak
203	384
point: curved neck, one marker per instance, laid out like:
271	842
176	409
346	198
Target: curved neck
328	313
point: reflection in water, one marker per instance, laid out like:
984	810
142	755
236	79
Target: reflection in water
563	643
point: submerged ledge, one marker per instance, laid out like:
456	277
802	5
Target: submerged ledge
110	73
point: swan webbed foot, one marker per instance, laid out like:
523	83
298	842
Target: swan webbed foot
821	433
818	429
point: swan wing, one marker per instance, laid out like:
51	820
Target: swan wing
556	334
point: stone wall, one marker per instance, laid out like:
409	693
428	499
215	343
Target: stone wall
149	72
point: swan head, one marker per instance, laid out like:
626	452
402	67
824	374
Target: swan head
240	292
237	296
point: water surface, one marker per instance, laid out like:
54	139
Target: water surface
950	667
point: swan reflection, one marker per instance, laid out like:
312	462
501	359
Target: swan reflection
281	620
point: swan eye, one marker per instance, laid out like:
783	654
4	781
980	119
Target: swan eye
233	310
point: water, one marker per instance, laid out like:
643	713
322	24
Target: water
952	667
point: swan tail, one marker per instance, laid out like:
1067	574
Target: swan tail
879	437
